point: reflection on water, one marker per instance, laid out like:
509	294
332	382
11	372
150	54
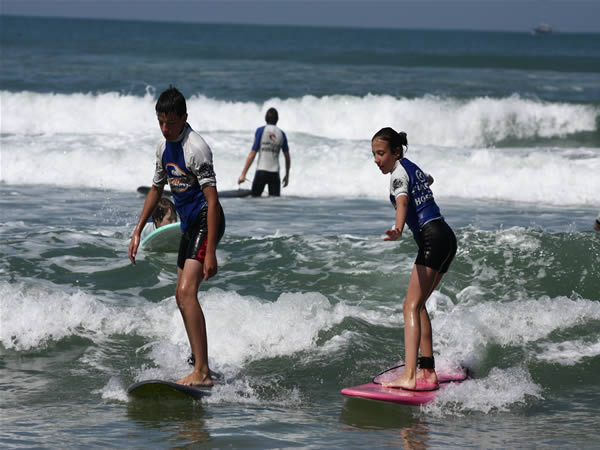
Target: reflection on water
181	420
367	415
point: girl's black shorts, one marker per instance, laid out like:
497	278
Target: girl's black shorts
437	245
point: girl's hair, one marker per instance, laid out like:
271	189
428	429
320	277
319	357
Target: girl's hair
397	141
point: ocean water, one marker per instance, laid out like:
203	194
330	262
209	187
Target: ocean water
308	298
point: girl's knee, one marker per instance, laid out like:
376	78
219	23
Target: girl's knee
411	307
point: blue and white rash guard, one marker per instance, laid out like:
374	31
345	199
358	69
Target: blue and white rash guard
187	165
268	141
408	179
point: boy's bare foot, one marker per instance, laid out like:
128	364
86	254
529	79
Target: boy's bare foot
196	379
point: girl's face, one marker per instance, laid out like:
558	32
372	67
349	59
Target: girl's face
384	157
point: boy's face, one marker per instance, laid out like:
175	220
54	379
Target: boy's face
171	125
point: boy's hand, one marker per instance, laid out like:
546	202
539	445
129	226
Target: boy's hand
210	266
133	246
393	235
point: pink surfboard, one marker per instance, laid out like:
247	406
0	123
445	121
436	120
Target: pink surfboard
375	391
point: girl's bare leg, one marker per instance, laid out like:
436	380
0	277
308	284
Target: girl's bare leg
426	344
422	281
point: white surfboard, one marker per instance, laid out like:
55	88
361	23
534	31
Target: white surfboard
163	239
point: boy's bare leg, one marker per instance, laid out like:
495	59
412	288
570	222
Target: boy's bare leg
188	282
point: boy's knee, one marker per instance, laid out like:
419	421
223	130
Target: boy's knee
183	297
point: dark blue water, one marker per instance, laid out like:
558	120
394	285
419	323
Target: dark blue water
255	63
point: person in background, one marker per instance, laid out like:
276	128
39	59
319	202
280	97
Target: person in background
164	213
415	206
597	223
269	140
184	160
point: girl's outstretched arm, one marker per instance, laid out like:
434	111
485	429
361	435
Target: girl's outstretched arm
401	209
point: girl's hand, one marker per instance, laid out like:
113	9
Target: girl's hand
393	235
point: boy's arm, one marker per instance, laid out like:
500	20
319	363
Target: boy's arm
213	221
401	209
151	201
249	161
286	179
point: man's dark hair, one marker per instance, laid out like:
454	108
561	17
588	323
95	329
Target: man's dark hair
170	101
271	117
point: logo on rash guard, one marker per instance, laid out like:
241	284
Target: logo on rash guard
179	180
397	184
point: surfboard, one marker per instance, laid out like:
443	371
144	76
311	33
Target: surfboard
143	190
375	390
231	193
235	193
160	389
163	239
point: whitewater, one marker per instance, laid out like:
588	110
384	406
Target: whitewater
474	148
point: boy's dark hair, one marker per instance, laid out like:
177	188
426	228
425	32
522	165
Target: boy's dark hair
164	208
171	100
397	141
271	117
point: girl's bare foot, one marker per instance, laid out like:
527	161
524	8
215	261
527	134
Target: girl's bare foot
402	382
428	375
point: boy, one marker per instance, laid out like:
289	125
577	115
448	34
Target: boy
268	141
185	161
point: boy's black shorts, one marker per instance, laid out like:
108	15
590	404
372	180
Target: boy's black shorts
261	178
193	242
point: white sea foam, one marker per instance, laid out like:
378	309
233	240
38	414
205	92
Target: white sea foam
463	332
32	317
569	353
429	120
243	329
107	141
500	390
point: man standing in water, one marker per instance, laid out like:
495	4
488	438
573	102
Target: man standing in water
268	141
184	160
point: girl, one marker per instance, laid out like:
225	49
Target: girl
411	196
